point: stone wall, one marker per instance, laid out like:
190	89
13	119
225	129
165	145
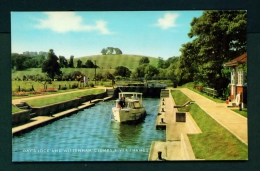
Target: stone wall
62	106
20	117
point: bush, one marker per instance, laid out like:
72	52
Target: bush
91	84
75	85
64	88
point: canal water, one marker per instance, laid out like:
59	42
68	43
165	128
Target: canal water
90	135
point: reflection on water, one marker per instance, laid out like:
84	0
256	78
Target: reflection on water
90	135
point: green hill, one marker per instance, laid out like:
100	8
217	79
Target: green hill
112	61
105	63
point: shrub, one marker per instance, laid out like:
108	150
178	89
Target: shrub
91	84
64	88
75	85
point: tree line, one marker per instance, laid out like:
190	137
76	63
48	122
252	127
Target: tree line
23	62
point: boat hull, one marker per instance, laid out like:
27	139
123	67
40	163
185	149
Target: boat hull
128	115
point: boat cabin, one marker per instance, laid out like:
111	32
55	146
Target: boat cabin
130	100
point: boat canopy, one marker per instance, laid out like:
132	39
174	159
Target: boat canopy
131	97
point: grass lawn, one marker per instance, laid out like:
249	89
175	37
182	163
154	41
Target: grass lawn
243	112
215	142
60	98
16	109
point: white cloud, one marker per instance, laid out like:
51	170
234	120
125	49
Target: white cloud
167	21
63	22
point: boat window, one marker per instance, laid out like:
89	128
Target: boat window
137	104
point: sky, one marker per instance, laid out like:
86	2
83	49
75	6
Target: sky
147	33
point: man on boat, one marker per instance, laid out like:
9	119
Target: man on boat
121	103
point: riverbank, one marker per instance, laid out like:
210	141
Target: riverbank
177	145
211	131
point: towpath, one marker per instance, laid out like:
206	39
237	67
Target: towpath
229	119
16	101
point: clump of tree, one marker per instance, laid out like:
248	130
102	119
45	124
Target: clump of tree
71	62
144	60
51	66
73	76
90	64
22	62
63	62
145	70
122	71
166	63
111	51
218	36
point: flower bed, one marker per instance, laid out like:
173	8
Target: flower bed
19	93
36	92
48	90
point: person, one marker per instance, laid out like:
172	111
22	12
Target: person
121	103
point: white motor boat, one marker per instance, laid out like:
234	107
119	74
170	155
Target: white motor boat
129	107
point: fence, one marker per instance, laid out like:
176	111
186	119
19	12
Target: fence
210	91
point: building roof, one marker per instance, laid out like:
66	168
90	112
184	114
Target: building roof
235	62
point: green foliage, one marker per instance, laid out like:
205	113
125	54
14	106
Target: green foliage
108	75
144	60
90	64
218	36
122	71
71	63
110	51
79	63
63	62
22	62
51	66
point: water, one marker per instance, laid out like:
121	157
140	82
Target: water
90	135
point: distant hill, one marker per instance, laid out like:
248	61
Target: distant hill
112	61
106	63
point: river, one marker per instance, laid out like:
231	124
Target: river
90	135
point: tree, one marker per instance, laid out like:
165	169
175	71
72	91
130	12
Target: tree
90	64
63	62
160	63
122	71
79	63
51	65
118	51
145	70
150	71
108	75
103	51
71	63
111	51
99	76
144	60
218	36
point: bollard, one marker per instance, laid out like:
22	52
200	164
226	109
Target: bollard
159	155
163	99
163	110
162	103
162	120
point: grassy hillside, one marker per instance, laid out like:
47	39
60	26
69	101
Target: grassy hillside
112	61
105	63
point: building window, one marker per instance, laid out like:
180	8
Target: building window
240	79
233	77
